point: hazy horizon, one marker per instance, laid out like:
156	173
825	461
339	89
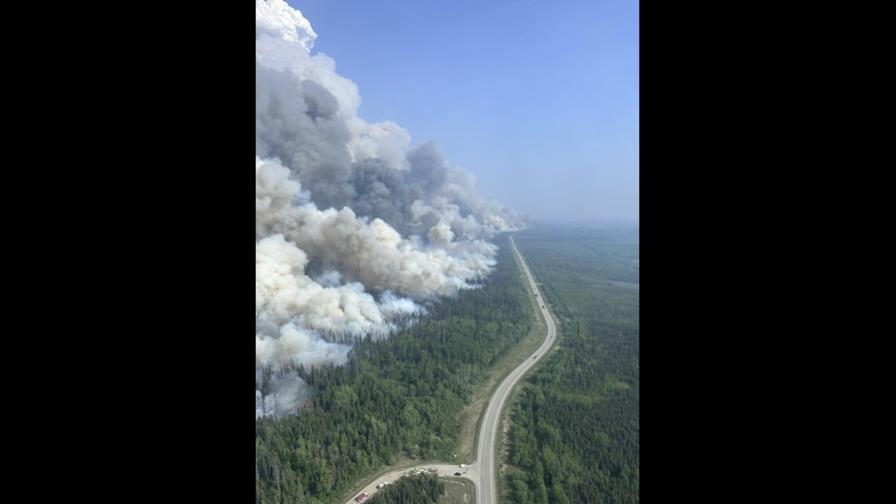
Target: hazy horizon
538	101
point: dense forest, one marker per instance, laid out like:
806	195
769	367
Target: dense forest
419	489
574	435
395	397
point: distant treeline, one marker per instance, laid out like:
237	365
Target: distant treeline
575	431
400	396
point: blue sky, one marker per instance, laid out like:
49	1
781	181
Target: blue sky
538	99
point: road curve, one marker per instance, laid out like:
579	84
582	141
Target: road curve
441	469
486	488
482	471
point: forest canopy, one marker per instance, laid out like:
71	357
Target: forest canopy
574	435
395	397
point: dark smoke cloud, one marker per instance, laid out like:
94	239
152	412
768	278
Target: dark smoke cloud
355	227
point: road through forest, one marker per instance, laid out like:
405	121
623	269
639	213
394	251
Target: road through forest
486	487
483	471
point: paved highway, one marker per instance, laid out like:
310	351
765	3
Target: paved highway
486	488
482	472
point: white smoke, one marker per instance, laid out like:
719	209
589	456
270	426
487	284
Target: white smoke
281	21
287	393
355	227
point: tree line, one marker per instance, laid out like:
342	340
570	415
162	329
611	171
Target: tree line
395	397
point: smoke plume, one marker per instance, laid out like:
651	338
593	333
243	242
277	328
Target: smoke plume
356	228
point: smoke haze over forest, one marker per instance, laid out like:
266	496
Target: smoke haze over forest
357	227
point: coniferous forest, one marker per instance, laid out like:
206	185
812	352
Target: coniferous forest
397	397
419	489
574	435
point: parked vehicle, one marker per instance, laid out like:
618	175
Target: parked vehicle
361	498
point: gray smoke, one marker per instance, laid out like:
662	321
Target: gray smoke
355	228
285	394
